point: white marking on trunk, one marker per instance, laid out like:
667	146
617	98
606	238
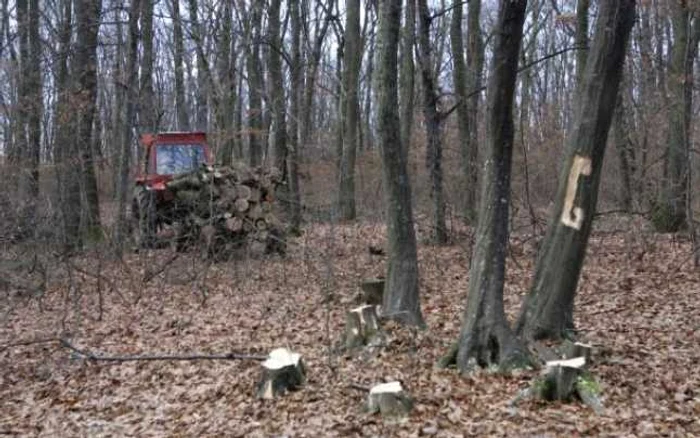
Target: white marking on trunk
572	216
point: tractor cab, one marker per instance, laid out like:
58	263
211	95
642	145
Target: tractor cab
165	156
169	154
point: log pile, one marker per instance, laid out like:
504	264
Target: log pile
225	207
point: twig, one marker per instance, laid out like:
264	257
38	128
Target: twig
152	357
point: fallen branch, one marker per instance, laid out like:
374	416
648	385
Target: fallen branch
28	342
152	357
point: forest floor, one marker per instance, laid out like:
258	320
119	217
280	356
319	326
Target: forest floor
638	304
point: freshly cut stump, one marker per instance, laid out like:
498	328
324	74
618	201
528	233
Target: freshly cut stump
389	400
559	382
362	328
578	349
372	291
282	371
566	380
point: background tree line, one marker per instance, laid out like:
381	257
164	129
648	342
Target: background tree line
293	84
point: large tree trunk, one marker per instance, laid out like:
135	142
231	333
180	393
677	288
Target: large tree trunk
255	85
548	309
433	159
464	84
407	73
148	112
178	55
86	75
582	8
32	107
401	298
276	80
227	91
129	111
486	338
669	213
350	121
69	202
294	131
203	89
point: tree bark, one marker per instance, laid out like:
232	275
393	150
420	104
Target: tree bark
148	112
178	54
277	99
227	78
203	90
407	73
486	338
669	213
123	189
582	8
401	298
433	159
548	309
466	81
255	85
350	121
296	109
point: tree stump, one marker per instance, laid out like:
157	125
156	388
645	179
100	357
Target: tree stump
362	328
372	291
565	380
389	400
282	371
578	349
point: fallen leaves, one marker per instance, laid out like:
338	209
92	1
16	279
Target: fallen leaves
641	312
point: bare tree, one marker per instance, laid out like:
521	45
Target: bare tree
433	119
401	297
670	209
548	309
350	120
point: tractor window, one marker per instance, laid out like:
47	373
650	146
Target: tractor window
178	158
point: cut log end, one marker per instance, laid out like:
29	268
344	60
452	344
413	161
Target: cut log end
283	371
389	400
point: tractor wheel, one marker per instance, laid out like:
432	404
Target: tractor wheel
144	215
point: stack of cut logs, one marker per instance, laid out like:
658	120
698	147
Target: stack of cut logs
225	206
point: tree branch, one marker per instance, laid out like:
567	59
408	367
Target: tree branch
87	354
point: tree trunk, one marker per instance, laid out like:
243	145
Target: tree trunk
582	8
401	298
255	85
294	131
475	66
227	78
31	106
276	81
465	124
148	112
432	118
624	151
548	309
123	190
203	90
486	338
178	55
407	74
350	121
86	63
669	213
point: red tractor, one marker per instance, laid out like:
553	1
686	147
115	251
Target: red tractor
166	155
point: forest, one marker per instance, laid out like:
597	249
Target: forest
349	218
